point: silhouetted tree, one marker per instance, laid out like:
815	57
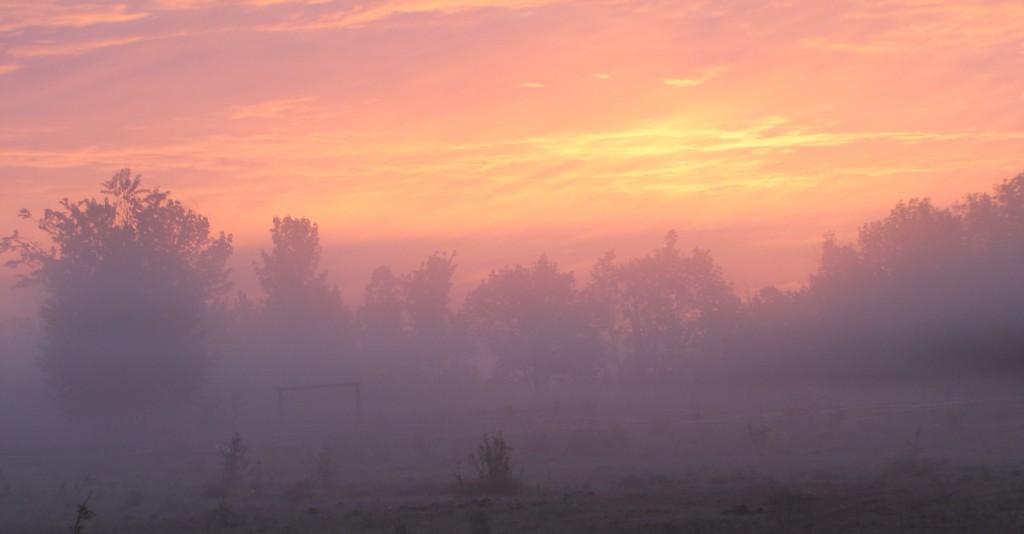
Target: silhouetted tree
410	337
304	315
675	312
299	299
531	320
993	228
1006	223
437	340
915	244
926	289
427	292
127	279
381	321
603	302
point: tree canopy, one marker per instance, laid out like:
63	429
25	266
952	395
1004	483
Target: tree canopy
300	304
530	318
126	281
666	311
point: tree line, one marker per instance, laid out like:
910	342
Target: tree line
139	308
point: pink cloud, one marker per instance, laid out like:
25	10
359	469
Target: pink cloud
55	14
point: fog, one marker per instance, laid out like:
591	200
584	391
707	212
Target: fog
644	394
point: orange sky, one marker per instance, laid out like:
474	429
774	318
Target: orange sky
508	128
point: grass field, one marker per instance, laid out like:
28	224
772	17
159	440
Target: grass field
943	467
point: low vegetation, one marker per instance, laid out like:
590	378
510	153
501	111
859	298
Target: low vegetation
493	464
684	478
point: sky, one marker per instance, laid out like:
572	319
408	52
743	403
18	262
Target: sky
504	129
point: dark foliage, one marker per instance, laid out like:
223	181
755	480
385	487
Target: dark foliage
531	320
127	278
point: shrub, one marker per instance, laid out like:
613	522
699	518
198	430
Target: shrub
908	459
493	463
758	435
233	460
324	469
84	514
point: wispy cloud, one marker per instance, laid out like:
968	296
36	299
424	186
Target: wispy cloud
667	149
910	26
72	48
270	109
56	14
9	67
382	10
172	5
704	77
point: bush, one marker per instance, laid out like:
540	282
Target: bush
83	514
324	469
233	461
493	464
908	459
758	435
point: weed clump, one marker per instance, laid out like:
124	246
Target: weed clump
324	469
908	459
234	462
84	514
758	436
493	464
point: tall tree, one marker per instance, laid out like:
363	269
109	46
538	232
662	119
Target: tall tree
676	312
427	292
926	285
299	300
531	320
602	303
127	279
432	332
914	244
304	315
381	321
409	335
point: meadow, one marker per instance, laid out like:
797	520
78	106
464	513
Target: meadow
903	461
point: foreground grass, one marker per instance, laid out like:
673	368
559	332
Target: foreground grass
901	473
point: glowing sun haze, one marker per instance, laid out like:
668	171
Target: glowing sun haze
508	128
